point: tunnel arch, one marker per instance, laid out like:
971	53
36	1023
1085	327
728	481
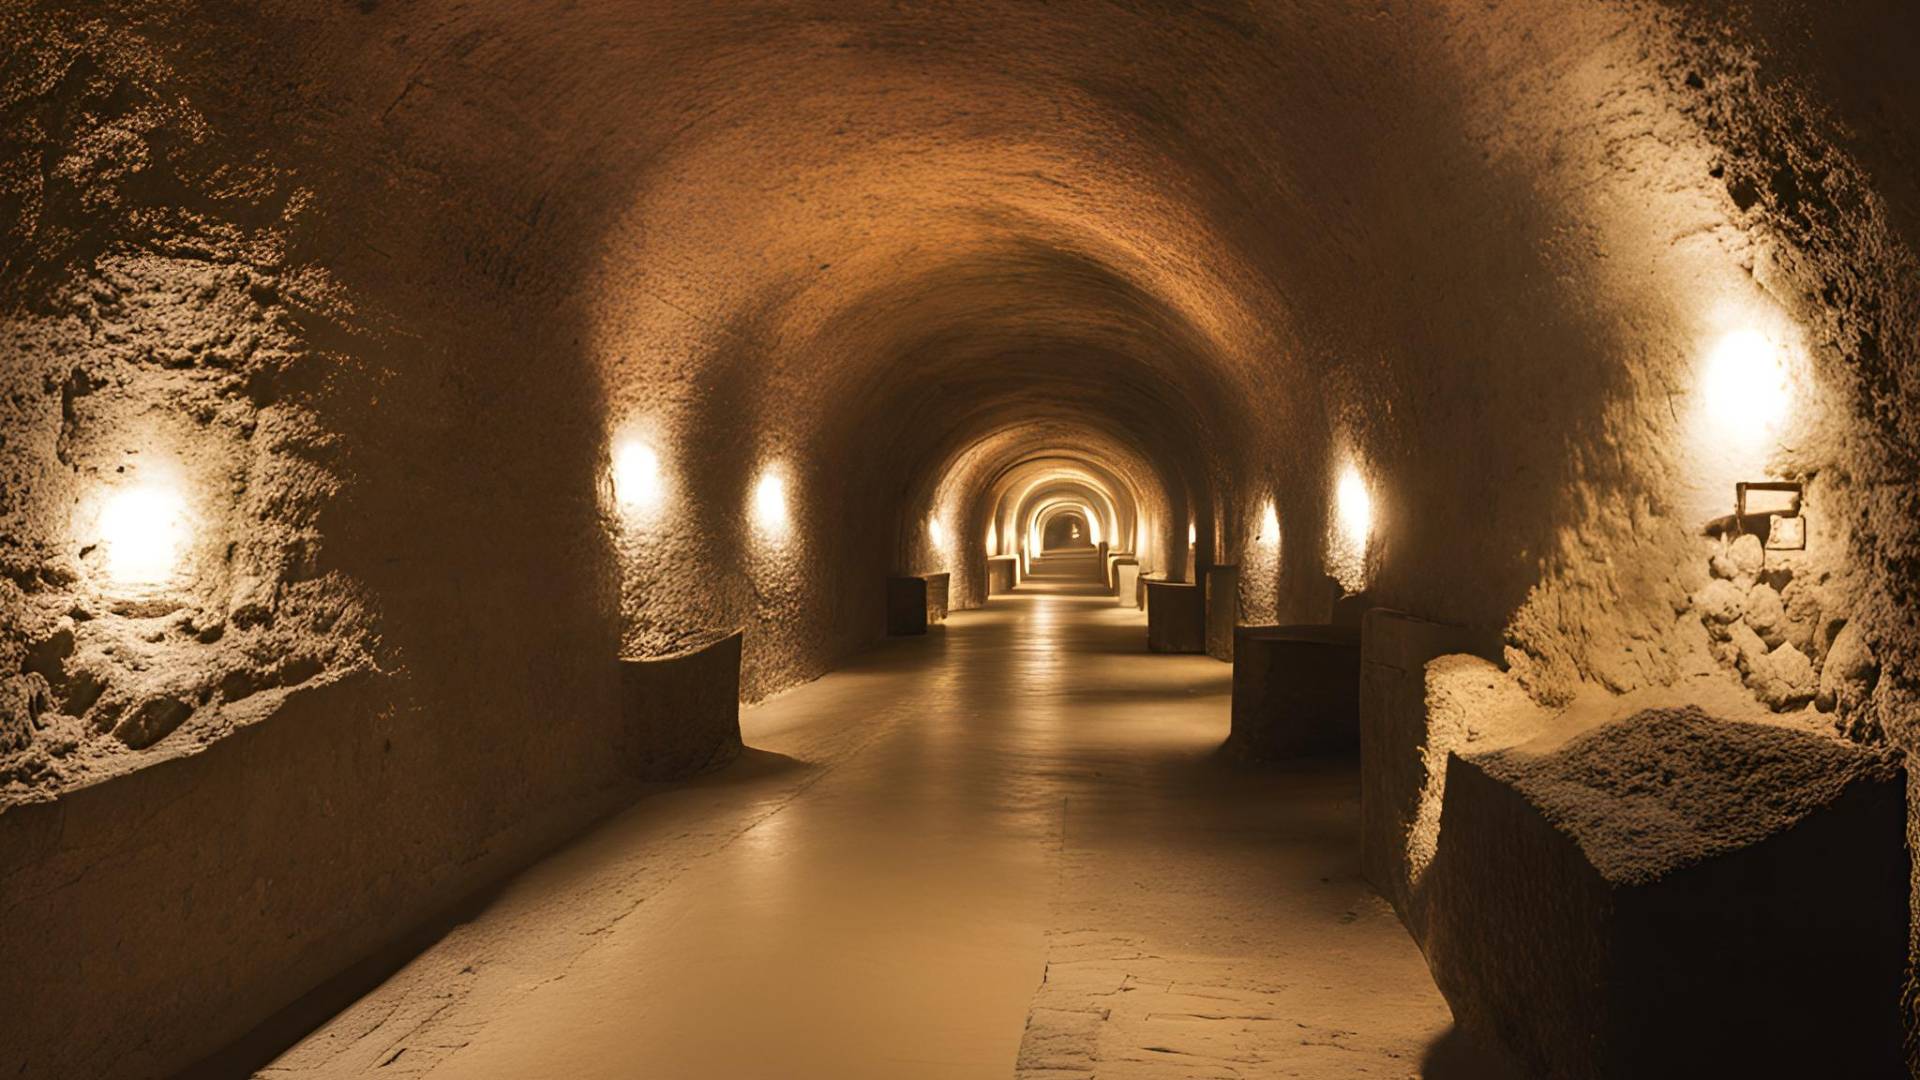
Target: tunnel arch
917	244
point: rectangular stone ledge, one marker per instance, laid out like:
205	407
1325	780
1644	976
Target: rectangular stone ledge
906	606
939	596
682	712
1676	896
155	917
1127	575
1296	691
1003	574
1398	740
1223	610
1176	617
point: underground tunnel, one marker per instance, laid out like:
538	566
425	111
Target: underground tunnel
1060	541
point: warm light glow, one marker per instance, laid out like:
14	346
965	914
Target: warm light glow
1744	383
936	532
636	476
1269	525
1354	508
1350	531
993	539
1193	533
1093	525
770	502
142	532
1140	539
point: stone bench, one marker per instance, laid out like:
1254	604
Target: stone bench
1674	895
914	603
1176	617
1296	691
681	712
1003	574
1126	575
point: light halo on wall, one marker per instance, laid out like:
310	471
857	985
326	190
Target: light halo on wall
143	531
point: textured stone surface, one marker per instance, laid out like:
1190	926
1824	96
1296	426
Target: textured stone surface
1602	904
1411	715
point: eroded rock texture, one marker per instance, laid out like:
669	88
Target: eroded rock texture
1600	905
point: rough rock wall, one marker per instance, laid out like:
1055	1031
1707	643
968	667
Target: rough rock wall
155	334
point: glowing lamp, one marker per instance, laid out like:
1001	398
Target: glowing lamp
936	532
1269	525
636	476
770	502
1093	527
1353	507
142	532
993	539
1744	383
1193	533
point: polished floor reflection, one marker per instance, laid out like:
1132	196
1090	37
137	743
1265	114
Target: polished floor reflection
1006	848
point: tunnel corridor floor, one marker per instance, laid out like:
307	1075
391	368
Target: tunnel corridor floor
1008	848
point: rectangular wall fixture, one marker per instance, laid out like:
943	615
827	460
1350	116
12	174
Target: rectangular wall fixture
1772	510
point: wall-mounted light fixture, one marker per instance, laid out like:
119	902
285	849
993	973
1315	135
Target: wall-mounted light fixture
1193	533
637	483
143	530
1269	534
770	502
993	538
1353	508
1772	509
936	532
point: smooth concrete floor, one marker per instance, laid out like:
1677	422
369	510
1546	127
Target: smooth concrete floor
1008	848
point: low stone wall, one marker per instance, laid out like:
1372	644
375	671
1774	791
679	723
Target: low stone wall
1296	691
1402	754
155	917
1674	895
1003	574
1127	583
906	606
1176	617
681	712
